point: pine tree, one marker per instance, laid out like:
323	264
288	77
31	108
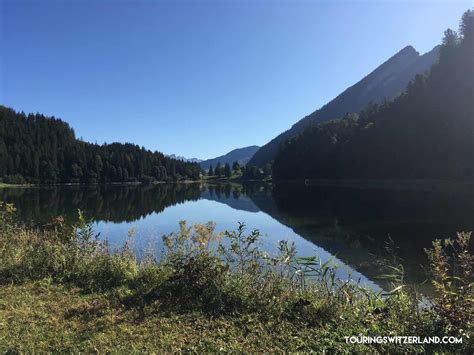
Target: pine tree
236	167
227	171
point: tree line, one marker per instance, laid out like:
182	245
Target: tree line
246	172
425	133
39	149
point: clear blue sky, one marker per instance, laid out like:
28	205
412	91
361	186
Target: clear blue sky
199	78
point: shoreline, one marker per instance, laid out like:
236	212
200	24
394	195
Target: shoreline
378	184
135	183
3	185
71	184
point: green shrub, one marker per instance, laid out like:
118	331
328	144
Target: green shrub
196	283
147	286
451	266
14	179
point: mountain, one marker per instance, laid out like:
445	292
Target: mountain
427	133
242	203
179	157
242	155
385	82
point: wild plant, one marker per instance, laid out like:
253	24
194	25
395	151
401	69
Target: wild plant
451	267
243	253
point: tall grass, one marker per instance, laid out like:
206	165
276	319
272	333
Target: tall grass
228	275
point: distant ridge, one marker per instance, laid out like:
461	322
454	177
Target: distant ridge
179	157
385	82
242	155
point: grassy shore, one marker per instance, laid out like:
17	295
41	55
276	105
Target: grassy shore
62	290
3	185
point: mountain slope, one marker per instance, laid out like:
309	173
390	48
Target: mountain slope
242	155
427	133
386	81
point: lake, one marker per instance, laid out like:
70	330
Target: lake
351	224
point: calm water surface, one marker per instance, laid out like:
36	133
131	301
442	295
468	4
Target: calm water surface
351	224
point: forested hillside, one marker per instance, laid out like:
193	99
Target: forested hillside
240	155
426	133
385	82
39	149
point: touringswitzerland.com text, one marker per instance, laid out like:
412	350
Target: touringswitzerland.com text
401	339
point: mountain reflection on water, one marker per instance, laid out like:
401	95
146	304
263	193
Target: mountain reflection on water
352	224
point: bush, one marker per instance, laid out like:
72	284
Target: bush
16	179
196	283
451	267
